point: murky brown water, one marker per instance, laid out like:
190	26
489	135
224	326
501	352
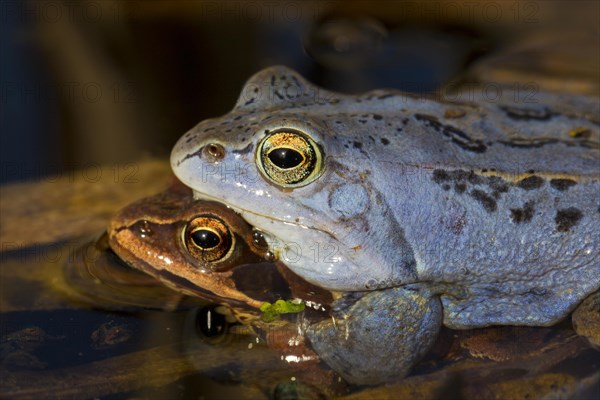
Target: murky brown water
57	343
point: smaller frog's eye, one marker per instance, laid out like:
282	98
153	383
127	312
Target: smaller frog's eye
289	158
208	239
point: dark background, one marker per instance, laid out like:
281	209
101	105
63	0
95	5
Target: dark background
107	82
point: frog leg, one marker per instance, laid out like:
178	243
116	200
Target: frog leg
379	337
586	319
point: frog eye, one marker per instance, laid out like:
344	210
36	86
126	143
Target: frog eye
289	158
208	239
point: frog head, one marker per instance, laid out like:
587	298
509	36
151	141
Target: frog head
200	248
292	164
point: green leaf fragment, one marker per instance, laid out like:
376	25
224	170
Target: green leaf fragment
272	311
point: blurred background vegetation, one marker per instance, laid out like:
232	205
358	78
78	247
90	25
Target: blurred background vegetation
109	82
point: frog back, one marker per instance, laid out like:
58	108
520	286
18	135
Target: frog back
498	202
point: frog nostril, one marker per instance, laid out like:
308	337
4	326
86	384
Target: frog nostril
143	228
213	152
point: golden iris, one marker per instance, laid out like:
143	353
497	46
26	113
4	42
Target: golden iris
289	158
208	239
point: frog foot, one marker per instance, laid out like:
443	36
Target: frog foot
586	319
381	336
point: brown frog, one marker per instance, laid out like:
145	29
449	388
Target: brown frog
203	249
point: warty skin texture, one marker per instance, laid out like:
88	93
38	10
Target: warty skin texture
493	207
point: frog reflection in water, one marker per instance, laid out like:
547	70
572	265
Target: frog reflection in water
417	212
203	249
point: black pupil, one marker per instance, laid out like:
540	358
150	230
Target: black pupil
285	158
205	239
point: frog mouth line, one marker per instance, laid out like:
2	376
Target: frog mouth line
241	211
183	284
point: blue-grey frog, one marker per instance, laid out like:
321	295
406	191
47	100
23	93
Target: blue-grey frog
414	211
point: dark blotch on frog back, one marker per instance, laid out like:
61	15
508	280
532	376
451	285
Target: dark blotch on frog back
567	218
562	184
530	183
458	137
498	185
486	201
441	176
460	187
462	179
522	215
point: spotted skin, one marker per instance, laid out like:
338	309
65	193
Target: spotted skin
492	206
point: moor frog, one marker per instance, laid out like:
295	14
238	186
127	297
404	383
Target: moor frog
416	211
